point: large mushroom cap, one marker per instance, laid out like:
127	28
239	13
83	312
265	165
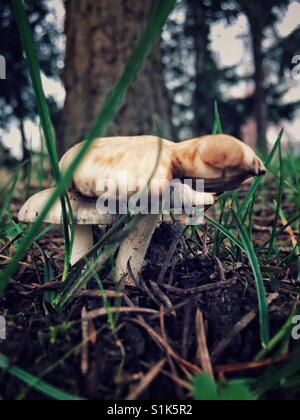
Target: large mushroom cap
84	210
126	163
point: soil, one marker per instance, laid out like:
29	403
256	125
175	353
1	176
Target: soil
162	345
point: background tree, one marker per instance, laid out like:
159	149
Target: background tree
180	82
196	79
210	78
96	53
16	95
261	16
285	50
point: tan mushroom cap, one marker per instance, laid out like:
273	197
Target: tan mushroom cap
128	163
84	210
222	160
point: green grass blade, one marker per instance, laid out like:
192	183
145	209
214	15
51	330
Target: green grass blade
296	247
97	258
251	193
261	293
95	265
217	129
110	109
278	202
277	378
35	75
226	232
43	387
284	333
107	306
281	230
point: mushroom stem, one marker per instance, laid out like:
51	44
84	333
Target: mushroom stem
83	242
134	248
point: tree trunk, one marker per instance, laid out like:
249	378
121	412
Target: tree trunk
200	34
256	17
260	102
100	37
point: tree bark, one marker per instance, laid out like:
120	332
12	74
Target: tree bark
100	37
255	15
260	100
200	33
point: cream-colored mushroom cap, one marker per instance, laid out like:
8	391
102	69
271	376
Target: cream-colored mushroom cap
222	161
127	163
84	210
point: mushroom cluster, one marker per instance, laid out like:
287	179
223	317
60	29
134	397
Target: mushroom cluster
124	167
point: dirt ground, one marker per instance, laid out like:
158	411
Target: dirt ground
156	346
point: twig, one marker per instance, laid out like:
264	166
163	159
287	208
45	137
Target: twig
97	313
183	384
146	289
238	328
33	287
180	382
92	332
168	258
10	242
21	263
157	338
99	294
203	356
164	298
85	342
165	337
134	281
36	266
146	381
175	307
186	330
274	270
221	270
199	289
222	370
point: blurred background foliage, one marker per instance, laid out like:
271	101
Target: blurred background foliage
17	102
181	82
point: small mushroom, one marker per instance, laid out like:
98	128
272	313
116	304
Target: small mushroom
85	216
223	161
